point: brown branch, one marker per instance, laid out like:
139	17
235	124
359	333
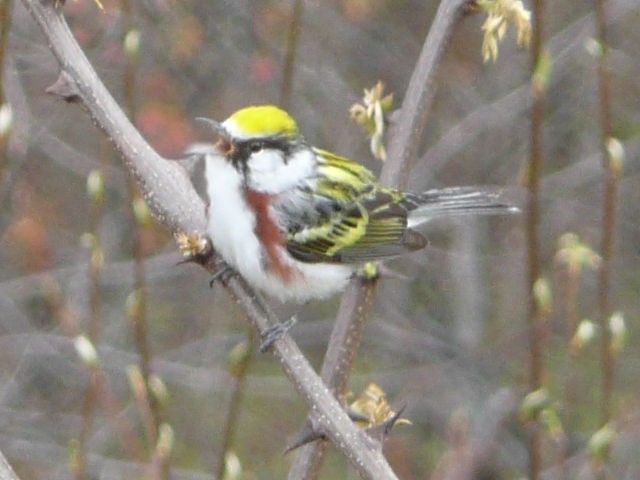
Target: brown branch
608	212
5	25
138	314
290	56
406	132
359	296
238	369
90	401
174	202
534	315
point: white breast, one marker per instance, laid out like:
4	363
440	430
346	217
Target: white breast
232	230
269	172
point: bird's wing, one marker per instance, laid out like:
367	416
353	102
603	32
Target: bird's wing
343	216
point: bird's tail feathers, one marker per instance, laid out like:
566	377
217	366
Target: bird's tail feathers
455	201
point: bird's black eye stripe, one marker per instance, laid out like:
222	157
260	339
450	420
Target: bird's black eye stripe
256	146
244	149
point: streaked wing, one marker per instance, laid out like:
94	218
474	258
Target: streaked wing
345	217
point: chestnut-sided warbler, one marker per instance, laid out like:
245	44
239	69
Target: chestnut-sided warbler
297	221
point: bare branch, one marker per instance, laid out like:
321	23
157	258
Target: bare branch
6	472
359	296
174	202
407	129
534	166
609	207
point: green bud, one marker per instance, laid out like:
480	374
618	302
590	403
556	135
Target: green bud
132	43
133	304
600	444
551	421
159	390
386	103
97	258
237	358
95	186
165	443
615	150
575	254
533	404
619	334
593	47
136	381
6	120
141	211
583	336
86	351
543	296
232	466
88	240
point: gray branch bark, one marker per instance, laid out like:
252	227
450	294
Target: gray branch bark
174	202
6	472
359	296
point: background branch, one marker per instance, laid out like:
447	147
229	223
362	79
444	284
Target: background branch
535	319
609	207
174	202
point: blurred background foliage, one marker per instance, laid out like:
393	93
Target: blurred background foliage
447	337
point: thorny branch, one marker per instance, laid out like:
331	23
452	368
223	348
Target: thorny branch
174	202
359	296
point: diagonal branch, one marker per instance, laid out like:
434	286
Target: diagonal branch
174	202
359	296
6	472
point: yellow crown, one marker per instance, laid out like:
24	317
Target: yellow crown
261	121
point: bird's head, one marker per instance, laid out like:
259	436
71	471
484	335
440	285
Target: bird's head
256	130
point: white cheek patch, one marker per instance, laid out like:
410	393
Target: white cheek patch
265	162
269	173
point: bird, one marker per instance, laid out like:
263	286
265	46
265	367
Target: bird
298	222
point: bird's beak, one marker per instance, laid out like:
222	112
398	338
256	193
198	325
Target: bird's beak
225	144
215	126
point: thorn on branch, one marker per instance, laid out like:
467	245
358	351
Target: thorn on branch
65	88
274	333
307	435
382	431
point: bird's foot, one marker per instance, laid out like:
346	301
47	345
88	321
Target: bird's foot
223	273
275	333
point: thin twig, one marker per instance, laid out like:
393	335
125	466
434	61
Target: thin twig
290	56
609	207
238	370
359	296
5	25
138	314
406	132
534	315
103	392
174	202
95	305
571	286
